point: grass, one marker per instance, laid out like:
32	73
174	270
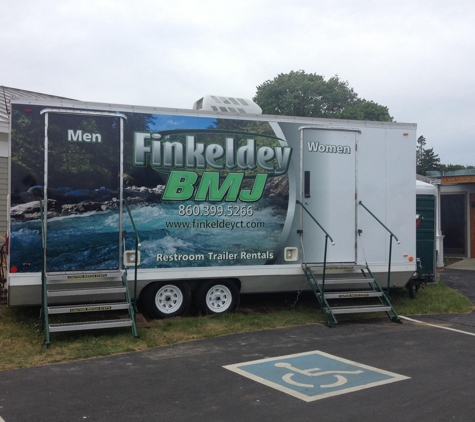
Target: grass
432	299
21	338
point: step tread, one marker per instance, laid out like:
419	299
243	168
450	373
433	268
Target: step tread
85	291
84	275
360	309
361	280
89	307
90	325
336	266
353	294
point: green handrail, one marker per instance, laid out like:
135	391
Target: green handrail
137	245
327	236
390	244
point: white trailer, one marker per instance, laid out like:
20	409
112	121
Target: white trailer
224	201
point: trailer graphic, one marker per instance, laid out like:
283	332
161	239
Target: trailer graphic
223	203
231	198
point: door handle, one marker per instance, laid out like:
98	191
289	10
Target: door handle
306	184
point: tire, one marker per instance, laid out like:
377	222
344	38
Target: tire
166	300
217	297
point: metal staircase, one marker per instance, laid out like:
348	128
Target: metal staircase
334	292
91	291
363	289
112	284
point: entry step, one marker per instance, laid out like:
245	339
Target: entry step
92	307
84	276
353	294
360	309
336	266
353	280
90	325
85	291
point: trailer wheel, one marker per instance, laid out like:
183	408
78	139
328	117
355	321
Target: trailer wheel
165	300
217	297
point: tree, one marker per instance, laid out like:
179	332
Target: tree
454	167
366	110
421	143
310	95
426	159
428	162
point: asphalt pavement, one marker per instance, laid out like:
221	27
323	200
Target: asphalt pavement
461	276
371	370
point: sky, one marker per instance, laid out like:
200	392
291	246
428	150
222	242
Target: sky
416	57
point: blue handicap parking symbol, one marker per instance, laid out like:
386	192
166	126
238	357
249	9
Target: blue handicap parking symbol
314	375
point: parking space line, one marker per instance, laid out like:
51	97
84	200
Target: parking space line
437	326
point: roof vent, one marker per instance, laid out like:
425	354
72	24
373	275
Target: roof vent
227	105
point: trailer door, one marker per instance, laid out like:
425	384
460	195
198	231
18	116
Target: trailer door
83	189
329	193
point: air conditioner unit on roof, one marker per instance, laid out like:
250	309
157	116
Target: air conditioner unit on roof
227	105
